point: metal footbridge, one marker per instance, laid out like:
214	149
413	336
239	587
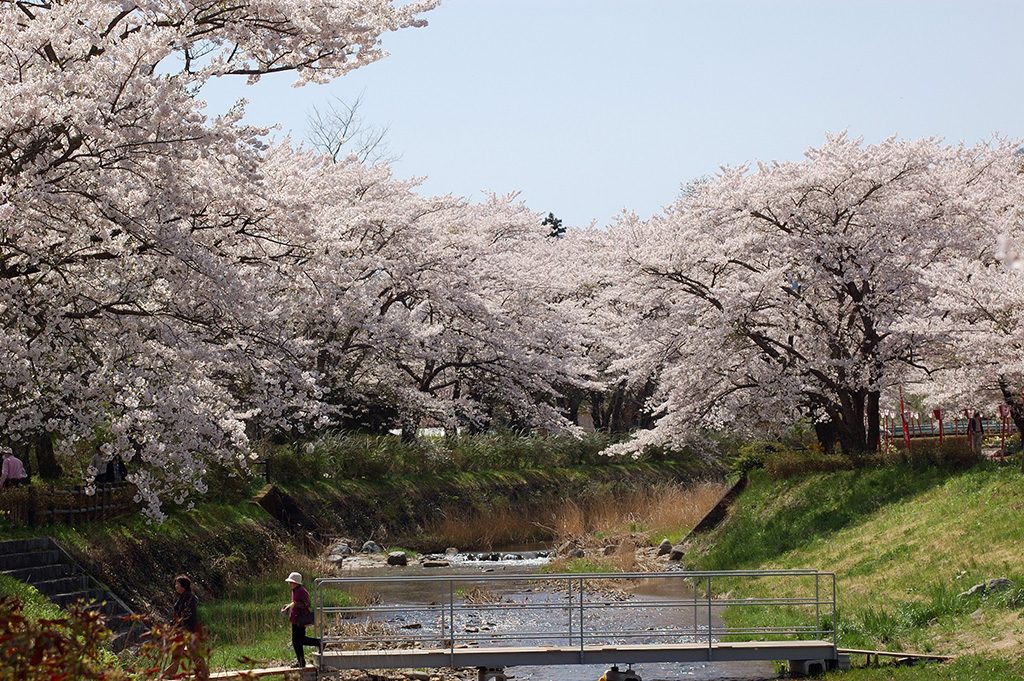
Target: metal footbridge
495	621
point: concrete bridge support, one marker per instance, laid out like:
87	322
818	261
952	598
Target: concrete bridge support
812	667
490	674
800	668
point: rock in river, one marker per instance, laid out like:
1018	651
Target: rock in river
371	547
341	548
568	548
436	563
664	547
398	558
677	552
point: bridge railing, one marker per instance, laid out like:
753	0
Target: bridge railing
449	612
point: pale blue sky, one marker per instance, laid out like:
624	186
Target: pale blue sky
592	106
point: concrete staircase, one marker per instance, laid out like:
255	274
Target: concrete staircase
45	565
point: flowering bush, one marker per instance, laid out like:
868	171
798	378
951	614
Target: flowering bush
72	647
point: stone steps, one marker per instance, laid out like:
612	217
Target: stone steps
27	559
40	573
67	598
42	563
61	585
24	545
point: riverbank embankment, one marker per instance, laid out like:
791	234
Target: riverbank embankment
234	548
909	545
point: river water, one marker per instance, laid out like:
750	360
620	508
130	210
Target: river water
635	612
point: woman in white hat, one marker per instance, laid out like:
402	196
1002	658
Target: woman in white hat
300	614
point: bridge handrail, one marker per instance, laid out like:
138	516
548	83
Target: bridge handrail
579	621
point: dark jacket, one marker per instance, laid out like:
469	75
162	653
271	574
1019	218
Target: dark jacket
186	611
300	603
976	424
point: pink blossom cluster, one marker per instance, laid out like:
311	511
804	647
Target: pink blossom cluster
821	287
173	287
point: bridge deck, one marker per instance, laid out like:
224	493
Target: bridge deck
610	654
279	672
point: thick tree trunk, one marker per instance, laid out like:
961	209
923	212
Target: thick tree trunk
49	469
874	421
826	434
851	430
597	412
409	429
1016	402
570	405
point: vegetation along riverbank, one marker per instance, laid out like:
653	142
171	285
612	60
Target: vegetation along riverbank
908	543
516	490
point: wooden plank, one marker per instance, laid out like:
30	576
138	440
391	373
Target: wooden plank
891	653
305	672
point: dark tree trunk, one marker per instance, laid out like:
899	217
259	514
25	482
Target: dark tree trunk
408	431
597	413
874	421
49	469
572	407
826	434
851	431
1016	402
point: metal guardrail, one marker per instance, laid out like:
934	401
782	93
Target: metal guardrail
538	612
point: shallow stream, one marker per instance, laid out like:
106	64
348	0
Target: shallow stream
500	614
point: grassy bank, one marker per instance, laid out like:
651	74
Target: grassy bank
34	604
479	509
904	542
970	668
237	553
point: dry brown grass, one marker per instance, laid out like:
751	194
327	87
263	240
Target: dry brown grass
642	515
480	596
371	634
498	527
663	509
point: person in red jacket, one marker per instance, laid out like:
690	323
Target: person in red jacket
300	614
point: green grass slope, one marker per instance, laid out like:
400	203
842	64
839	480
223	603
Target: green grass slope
904	544
238	554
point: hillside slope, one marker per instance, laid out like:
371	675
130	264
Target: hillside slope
904	544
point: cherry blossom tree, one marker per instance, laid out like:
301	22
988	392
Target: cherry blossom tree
979	309
423	307
791	289
135	230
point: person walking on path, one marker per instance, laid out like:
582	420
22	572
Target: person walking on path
300	614
975	432
186	616
12	473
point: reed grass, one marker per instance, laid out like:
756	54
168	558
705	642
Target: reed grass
667	509
642	516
